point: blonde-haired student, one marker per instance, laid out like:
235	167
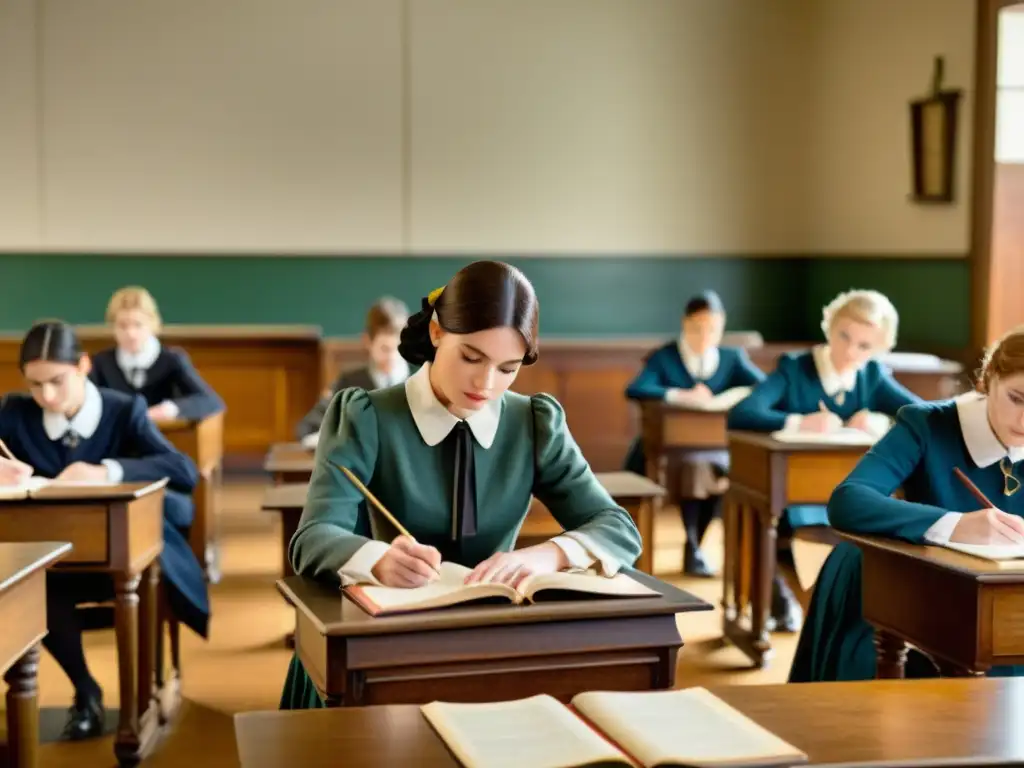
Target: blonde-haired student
836	384
982	434
386	367
139	364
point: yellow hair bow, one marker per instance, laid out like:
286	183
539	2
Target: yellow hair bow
433	295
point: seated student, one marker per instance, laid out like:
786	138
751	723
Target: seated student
980	433
67	428
138	364
830	386
384	322
691	369
456	458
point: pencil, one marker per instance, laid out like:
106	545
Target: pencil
7	451
975	491
372	499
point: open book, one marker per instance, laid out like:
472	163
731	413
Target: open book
34	485
692	728
1008	556
451	589
842	436
720	403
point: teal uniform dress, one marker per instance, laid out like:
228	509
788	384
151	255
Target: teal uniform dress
665	370
918	455
797	386
403	445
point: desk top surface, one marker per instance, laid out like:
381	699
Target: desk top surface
769	443
852	723
19	561
942	557
334	614
89	493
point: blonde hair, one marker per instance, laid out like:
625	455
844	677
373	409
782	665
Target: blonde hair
387	315
869	307
1002	359
134	297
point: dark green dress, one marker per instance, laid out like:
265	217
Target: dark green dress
918	454
401	457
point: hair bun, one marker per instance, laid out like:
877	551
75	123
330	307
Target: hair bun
414	344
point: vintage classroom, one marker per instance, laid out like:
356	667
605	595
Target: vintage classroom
269	169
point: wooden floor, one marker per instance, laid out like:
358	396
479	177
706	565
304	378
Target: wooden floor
242	666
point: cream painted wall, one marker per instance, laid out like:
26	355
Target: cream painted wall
19	148
566	126
873	58
1010	77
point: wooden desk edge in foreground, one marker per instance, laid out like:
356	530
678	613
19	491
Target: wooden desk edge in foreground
333	614
938	557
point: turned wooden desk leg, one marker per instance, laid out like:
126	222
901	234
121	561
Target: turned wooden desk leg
643	515
23	711
289	524
891	656
127	744
730	525
765	536
148	628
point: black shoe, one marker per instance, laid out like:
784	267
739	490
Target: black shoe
786	613
86	718
694	563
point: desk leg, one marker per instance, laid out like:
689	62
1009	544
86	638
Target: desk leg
891	656
766	534
643	515
289	524
128	742
730	525
23	711
148	629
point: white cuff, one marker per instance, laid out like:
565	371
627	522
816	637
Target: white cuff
358	569
172	408
592	552
676	396
942	531
792	422
878	423
115	472
310	441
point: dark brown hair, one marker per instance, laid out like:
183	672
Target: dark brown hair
1004	358
53	341
705	301
481	296
387	315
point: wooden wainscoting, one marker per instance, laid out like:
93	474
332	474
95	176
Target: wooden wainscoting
269	376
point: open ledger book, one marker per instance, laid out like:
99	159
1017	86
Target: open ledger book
842	436
34	485
1008	557
450	589
720	403
691	728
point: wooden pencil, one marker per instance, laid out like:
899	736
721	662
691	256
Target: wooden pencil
975	491
7	451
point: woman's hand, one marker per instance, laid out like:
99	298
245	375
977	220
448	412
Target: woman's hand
161	412
700	393
14	472
989	526
80	472
822	421
513	567
407	564
860	420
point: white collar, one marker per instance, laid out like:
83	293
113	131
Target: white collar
434	421
399	372
144	359
699	366
831	381
84	423
982	443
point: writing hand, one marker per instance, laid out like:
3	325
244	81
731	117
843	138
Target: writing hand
80	472
822	421
860	420
13	472
160	412
989	526
701	392
407	564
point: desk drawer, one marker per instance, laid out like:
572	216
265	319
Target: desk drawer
85	527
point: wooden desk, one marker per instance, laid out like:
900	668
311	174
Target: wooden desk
765	477
203	442
23	618
962	611
906	723
486	652
639	496
116	530
289	463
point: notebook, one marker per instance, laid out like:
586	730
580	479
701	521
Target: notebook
659	729
1003	557
33	485
450	590
842	436
721	402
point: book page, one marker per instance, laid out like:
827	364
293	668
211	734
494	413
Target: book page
988	551
721	402
539	732
449	589
843	436
586	582
22	490
691	727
